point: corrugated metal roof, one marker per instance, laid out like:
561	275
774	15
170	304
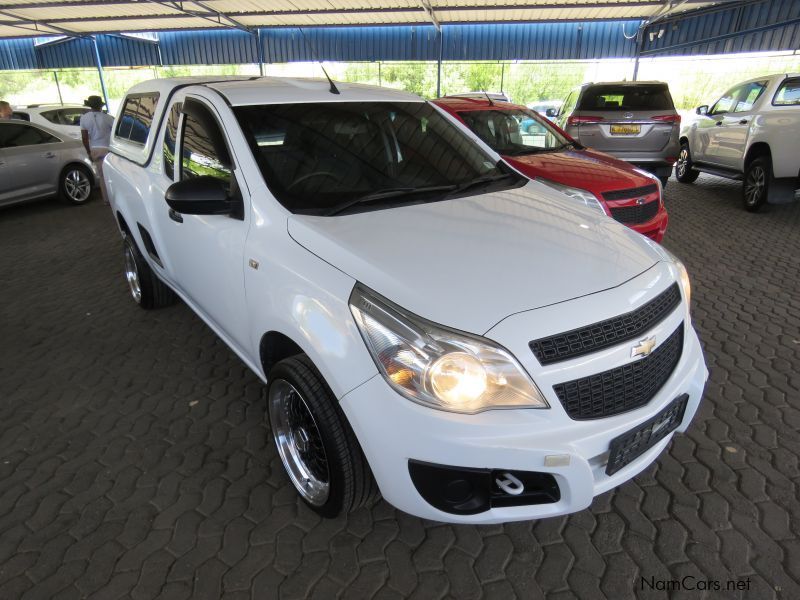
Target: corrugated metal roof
745	27
21	17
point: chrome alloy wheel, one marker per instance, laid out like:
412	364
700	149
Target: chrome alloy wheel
754	186
132	275
683	162
77	185
299	442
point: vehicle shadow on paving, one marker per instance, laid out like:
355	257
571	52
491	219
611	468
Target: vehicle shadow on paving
135	460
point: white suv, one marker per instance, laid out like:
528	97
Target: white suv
64	118
750	133
481	347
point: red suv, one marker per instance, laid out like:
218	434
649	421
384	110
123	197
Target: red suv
540	150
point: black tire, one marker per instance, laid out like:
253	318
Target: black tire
684	171
350	483
152	292
755	187
75	184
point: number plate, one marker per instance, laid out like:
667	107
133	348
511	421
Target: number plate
631	445
625	129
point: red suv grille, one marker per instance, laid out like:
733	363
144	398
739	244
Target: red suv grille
633	215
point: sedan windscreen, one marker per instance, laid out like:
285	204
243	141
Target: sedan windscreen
626	97
514	132
324	158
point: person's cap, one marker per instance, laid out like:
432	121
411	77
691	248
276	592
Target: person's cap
94	102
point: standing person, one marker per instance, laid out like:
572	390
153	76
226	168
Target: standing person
96	135
5	110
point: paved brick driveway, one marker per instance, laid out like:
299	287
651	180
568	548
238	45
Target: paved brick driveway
134	461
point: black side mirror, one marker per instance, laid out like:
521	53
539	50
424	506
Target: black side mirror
203	195
551	112
702	110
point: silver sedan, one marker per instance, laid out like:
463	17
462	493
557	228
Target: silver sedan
37	162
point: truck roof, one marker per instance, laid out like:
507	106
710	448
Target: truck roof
243	91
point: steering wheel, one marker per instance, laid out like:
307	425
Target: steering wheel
308	176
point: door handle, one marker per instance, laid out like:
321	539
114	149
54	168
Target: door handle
719	123
743	122
175	216
49	155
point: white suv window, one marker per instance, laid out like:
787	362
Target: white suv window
748	96
788	94
725	104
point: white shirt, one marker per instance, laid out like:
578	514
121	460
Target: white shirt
98	125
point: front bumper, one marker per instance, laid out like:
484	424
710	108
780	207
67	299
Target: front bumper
655	228
392	431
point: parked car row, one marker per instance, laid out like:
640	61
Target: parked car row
430	324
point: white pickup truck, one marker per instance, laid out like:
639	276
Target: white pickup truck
429	323
751	133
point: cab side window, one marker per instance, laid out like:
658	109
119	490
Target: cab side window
137	117
202	149
750	94
788	94
726	103
170	135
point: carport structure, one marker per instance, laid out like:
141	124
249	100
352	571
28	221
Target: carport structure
83	34
133	455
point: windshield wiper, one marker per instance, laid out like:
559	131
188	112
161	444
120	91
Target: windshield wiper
478	181
387	194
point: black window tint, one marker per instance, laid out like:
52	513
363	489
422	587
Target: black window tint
198	155
21	116
626	97
788	94
137	117
317	156
170	134
13	135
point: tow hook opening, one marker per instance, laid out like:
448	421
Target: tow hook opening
469	491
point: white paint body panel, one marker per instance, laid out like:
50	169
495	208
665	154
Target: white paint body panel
514	265
727	144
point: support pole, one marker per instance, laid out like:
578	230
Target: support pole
260	43
639	44
379	74
502	76
100	71
58	87
439	65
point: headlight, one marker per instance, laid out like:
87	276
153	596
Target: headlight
683	275
439	367
585	196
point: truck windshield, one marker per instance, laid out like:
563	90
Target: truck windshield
325	158
514	132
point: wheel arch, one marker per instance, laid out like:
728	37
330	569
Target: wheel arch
756	150
274	347
82	167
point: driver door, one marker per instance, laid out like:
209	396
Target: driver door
204	254
710	129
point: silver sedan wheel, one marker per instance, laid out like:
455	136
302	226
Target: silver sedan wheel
755	184
299	442
132	275
77	185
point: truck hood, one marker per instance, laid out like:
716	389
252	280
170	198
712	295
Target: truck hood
470	262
